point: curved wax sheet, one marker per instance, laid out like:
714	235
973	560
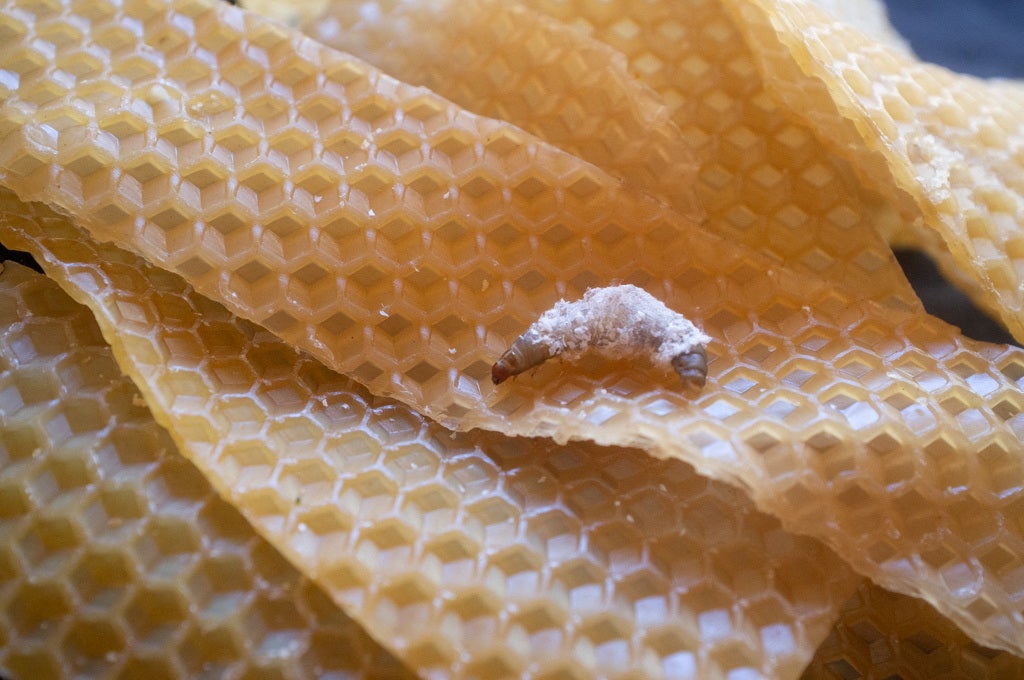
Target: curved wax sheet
466	554
766	181
407	242
951	142
118	560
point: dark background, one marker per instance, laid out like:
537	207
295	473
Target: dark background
983	37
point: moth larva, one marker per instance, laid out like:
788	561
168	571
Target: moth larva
617	321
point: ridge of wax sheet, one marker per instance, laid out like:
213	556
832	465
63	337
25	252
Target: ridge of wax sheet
855	422
119	560
467	555
951	142
508	61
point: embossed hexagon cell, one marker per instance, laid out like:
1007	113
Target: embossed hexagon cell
431	508
35	608
154	615
453	557
101	579
48	543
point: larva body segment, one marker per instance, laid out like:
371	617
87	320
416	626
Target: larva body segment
616	321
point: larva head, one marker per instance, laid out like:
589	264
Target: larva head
502	369
692	367
525	353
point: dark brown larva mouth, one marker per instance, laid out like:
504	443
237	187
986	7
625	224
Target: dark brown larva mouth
692	367
500	371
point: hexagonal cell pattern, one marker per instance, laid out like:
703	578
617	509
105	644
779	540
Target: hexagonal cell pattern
943	139
514	63
856	422
118	559
472	555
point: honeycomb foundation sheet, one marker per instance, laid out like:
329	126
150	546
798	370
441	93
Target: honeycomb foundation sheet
951	142
118	559
509	61
829	412
208	588
469	555
854	422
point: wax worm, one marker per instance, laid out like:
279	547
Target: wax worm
618	322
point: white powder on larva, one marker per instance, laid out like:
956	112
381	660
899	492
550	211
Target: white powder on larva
618	322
